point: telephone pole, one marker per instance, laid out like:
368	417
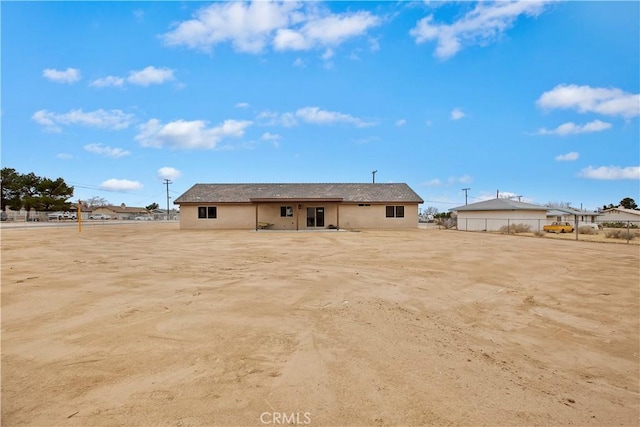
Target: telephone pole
466	190
374	175
519	197
167	182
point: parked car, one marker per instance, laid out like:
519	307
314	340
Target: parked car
558	227
143	218
99	216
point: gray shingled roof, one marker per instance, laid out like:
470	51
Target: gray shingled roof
350	193
500	205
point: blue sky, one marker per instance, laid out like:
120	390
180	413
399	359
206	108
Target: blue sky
534	99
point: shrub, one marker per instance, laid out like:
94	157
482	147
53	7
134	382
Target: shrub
539	233
585	229
515	228
620	234
619	224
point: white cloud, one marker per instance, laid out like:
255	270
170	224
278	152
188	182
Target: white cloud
242	105
435	182
112	119
150	75
457	114
571	128
486	22
169	173
108	81
64	156
70	75
331	30
328	54
120	185
270	136
610	172
569	157
451	181
401	122
182	134
103	150
585	99
139	15
284	25
299	62
317	116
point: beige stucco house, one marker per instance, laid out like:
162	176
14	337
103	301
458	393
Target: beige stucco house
298	206
122	212
491	215
571	215
620	215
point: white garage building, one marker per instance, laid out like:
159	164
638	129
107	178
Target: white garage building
491	215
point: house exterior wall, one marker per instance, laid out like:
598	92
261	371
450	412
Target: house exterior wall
571	218
494	220
353	216
242	216
619	216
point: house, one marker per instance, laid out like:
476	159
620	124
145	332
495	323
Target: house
620	214
120	212
298	206
569	214
491	215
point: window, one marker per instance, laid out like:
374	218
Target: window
207	212
286	211
364	204
395	211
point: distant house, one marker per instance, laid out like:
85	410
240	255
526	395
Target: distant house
620	215
121	212
570	215
491	215
298	206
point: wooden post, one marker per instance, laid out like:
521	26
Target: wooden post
79	217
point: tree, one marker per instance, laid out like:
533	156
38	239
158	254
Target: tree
96	201
628	203
53	195
10	182
152	206
431	210
558	204
29	191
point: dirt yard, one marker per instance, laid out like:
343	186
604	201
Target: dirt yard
145	324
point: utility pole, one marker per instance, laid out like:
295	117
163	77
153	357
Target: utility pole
466	190
374	175
497	194
519	197
167	182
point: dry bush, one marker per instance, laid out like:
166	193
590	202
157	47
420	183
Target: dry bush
620	234
539	233
587	230
515	228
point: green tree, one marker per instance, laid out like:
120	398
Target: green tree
152	206
53	195
628	203
10	182
29	191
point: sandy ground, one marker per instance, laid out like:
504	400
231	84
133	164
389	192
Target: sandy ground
143	324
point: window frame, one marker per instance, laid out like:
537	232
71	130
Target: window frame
394	211
286	211
207	212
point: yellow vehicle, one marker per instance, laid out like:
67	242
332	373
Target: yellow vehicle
558	227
